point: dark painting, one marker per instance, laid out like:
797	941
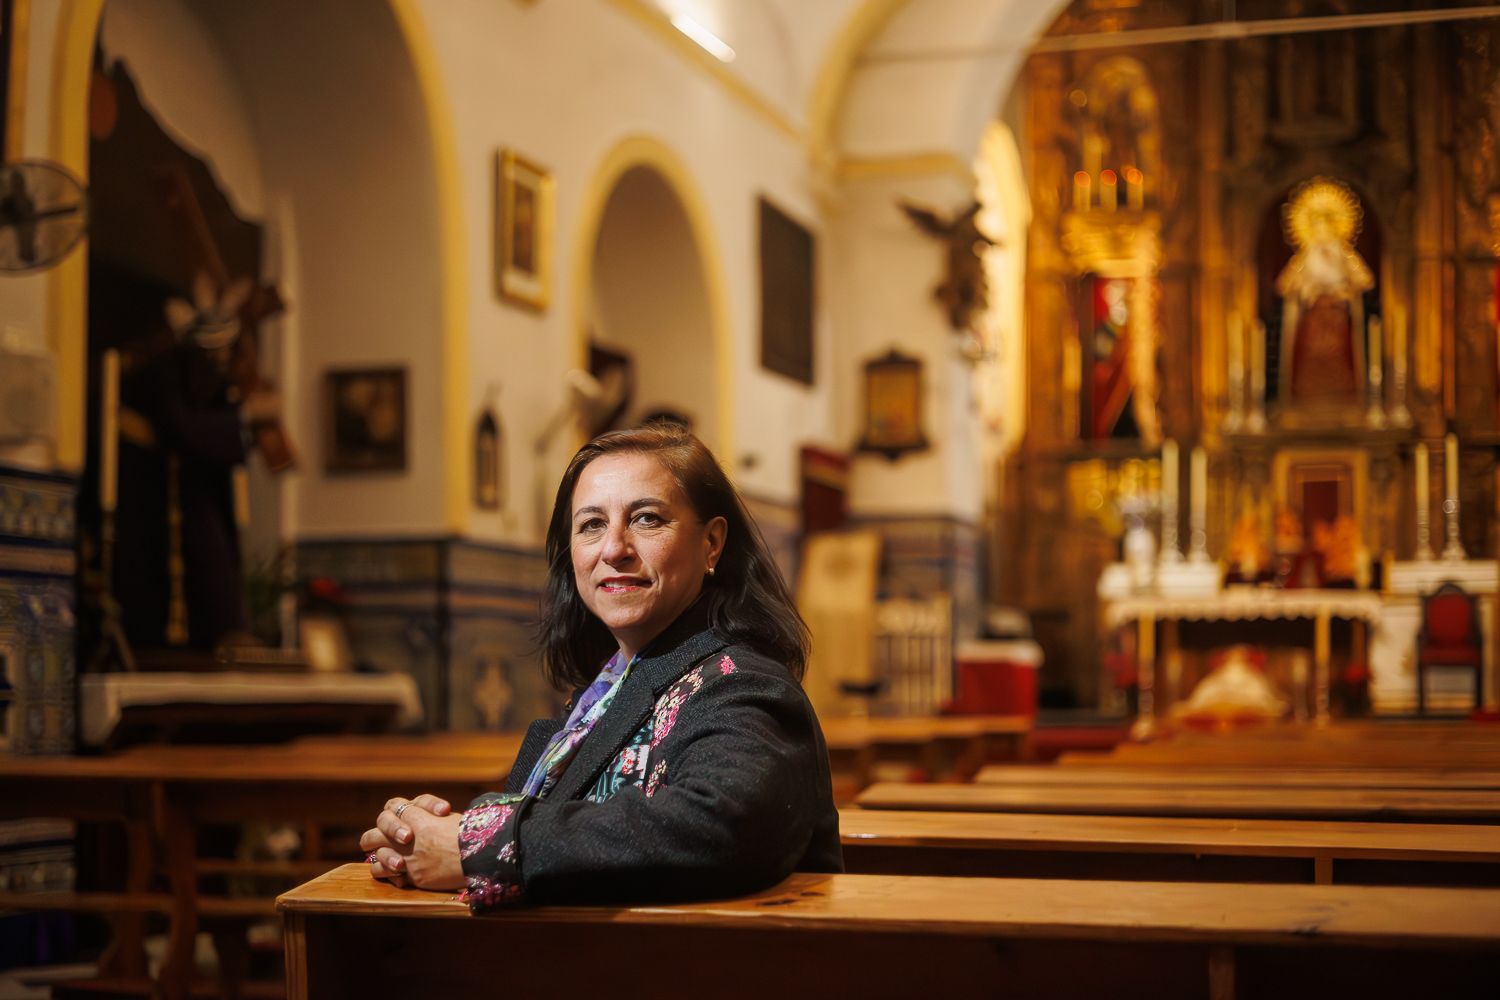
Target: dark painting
786	294
366	420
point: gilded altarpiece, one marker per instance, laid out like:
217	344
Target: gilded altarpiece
1402	116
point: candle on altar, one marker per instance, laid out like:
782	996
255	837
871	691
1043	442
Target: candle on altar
1450	466
1146	640
1398	341
1422	487
1234	350
1198	498
1258	348
1109	194
1169	474
109	440
1376	350
1082	191
1135	189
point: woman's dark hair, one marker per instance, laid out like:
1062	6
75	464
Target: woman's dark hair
747	600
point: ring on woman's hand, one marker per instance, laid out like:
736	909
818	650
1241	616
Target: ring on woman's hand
370	858
402	808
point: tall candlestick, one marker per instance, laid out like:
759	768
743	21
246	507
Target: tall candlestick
1082	191
1135	189
1257	418
109	430
1198	524
1454	549
1422	489
1109	194
1170	551
1375	415
1450	467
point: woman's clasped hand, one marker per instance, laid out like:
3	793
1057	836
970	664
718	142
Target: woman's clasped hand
412	844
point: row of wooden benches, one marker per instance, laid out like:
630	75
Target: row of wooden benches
165	794
1116	876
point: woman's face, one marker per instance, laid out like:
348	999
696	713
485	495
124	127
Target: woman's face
639	550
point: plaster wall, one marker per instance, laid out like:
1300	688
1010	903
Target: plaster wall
649	299
616	82
936	74
888	271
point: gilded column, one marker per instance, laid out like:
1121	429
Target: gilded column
1432	183
1216	276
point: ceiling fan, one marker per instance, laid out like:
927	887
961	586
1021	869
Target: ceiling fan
43	215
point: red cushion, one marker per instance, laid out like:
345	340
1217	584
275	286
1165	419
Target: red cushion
1450	617
1452	655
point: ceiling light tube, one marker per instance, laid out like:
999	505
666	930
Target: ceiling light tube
706	40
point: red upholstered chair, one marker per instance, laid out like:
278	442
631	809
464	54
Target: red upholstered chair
1450	637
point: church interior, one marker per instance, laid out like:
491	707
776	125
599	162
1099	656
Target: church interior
1116	384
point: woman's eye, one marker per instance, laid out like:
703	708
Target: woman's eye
647	519
590	526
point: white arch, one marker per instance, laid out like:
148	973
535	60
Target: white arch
929	79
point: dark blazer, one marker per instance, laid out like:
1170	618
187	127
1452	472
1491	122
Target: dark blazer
739	794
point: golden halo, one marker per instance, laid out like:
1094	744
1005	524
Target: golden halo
1320	208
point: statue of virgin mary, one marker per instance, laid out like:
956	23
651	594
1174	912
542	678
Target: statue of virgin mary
1322	290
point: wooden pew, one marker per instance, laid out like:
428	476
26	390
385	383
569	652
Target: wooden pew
942	745
1137	848
887	936
1187	775
1360	804
1293	754
165	793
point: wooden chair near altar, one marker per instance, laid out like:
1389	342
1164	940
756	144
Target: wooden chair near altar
1450	638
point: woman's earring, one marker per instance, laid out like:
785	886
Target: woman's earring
710	571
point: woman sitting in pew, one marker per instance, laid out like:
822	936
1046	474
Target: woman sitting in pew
690	763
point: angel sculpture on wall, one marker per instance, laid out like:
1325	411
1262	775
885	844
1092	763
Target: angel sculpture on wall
964	292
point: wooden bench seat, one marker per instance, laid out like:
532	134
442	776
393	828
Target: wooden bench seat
1362	804
1139	775
888	936
1137	848
954	746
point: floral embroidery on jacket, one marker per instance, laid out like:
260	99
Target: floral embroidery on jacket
630	766
657	773
667	706
479	826
487	847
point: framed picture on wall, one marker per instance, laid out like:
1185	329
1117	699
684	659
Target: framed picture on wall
364	417
523	231
893	406
787	258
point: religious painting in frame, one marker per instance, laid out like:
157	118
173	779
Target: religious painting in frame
365	420
787	276
523	231
893	406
